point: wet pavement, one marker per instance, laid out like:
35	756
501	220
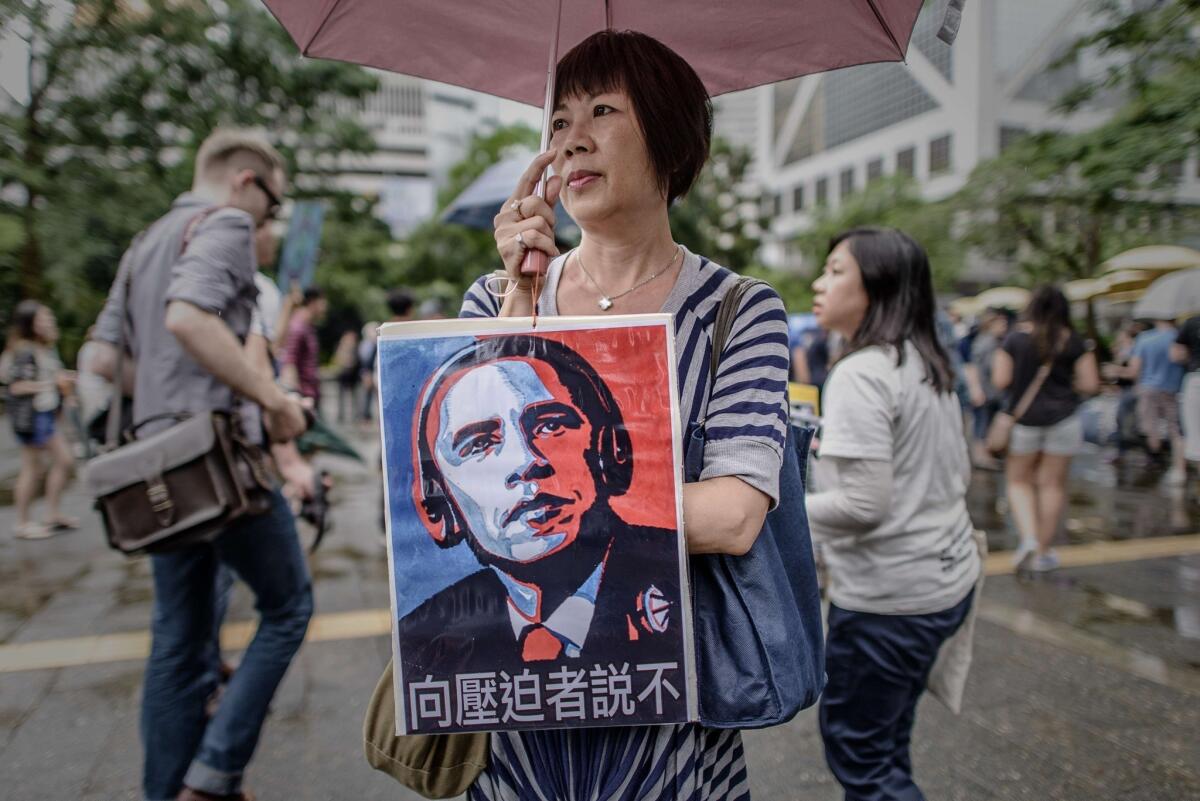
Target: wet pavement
1085	686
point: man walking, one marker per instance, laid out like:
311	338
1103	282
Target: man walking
1158	382
187	315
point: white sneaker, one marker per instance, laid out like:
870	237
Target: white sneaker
1024	554
1175	477
1045	562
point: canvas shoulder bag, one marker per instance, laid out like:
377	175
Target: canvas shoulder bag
181	486
432	765
760	647
999	433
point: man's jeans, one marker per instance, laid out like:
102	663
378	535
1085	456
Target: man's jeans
181	745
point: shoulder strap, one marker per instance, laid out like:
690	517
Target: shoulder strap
113	424
1035	386
726	314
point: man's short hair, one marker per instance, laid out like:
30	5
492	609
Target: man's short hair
670	102
311	295
400	302
229	149
609	456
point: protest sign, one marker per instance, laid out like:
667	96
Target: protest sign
534	516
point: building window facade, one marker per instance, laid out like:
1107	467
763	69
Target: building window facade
846	182
906	162
874	170
939	155
821	195
798	198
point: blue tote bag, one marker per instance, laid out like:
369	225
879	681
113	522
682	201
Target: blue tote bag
760	652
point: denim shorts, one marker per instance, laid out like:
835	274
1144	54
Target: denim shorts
43	430
1064	438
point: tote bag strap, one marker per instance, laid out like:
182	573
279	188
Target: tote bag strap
723	327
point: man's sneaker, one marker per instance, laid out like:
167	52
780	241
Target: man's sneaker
1023	556
1045	562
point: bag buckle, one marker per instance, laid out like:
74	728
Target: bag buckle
160	501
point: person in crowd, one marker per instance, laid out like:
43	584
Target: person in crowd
188	311
345	359
810	358
1119	373
1159	380
366	369
631	130
985	398
302	352
36	381
1186	351
890	513
1050	433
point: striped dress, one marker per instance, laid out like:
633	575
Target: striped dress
745	414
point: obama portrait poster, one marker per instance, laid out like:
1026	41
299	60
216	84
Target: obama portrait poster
534	524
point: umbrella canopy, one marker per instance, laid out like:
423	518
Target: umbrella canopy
967	307
480	202
1170	297
1159	258
1084	289
499	47
320	437
1126	280
1013	298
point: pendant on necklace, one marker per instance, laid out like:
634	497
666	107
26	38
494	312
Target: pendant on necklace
604	303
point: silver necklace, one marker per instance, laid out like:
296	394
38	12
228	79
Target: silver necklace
606	301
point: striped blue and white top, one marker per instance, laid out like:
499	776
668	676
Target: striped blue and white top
745	414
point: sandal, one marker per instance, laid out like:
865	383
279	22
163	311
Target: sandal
32	531
62	523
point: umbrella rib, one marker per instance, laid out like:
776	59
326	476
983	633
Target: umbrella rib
317	31
887	29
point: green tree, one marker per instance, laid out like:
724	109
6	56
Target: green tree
1058	204
893	202
444	258
120	96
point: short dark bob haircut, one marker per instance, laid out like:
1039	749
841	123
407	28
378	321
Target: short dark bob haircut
900	302
609	456
670	102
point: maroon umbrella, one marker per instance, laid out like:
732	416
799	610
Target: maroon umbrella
496	46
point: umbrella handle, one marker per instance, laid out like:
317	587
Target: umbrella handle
535	261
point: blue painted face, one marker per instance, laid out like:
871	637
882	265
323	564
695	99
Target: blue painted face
511	445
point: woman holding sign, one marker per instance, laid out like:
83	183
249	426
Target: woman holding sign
631	131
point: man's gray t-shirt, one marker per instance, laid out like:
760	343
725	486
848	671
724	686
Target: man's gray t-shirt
215	274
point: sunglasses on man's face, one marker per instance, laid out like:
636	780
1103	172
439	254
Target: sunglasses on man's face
273	201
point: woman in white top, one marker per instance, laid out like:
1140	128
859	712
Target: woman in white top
890	510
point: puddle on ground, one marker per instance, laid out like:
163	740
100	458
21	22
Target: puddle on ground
1105	502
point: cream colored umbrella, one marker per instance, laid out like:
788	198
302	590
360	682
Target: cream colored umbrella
1170	297
1084	289
1156	258
967	307
1126	280
1003	297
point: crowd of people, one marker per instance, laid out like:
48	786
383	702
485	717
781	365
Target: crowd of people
192	325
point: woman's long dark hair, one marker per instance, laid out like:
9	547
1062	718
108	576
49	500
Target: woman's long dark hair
21	329
900	303
1049	312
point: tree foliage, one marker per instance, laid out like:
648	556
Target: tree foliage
120	96
1060	203
892	202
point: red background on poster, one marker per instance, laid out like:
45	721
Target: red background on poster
633	362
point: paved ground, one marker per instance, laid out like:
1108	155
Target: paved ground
1085	687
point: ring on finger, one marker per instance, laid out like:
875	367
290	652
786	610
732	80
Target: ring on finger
516	206
520	239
